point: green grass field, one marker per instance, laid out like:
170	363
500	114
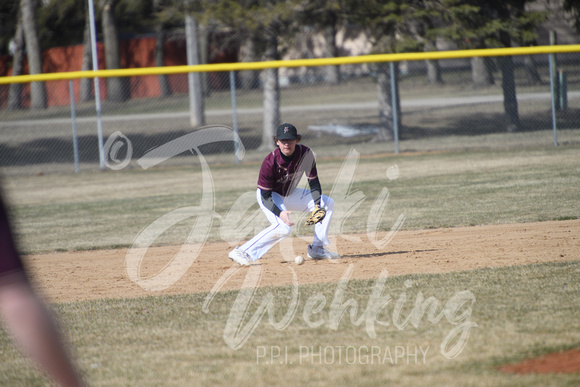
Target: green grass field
519	311
104	210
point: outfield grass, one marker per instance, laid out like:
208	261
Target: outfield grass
519	312
104	210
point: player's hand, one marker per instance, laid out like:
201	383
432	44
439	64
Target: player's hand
285	216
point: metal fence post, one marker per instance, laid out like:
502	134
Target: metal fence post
553	95
234	112
394	107
74	124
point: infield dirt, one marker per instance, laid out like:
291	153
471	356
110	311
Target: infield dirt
89	275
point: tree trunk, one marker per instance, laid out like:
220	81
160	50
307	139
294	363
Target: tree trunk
433	68
15	91
204	35
331	51
86	84
434	72
118	89
250	78
37	89
196	102
508	85
532	70
386	127
271	93
164	86
481	72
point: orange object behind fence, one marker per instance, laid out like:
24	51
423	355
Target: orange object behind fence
136	53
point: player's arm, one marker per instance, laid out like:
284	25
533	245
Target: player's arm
308	165
268	202
315	190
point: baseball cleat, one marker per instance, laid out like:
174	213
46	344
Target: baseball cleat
240	256
321	253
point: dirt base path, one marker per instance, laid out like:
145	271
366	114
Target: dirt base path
567	362
89	275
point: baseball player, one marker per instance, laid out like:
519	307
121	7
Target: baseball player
278	196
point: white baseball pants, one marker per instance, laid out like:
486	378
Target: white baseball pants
299	200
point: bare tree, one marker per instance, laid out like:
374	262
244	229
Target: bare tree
494	24
271	88
263	21
161	32
331	51
86	88
326	16
532	70
117	88
29	22
196	101
160	59
481	72
387	28
249	53
433	67
15	91
422	29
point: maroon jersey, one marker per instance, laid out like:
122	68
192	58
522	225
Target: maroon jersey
281	176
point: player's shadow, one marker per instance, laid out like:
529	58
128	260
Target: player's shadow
372	255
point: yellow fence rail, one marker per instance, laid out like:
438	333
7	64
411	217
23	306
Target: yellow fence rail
412	56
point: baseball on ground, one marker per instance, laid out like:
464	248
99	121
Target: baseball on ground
299	260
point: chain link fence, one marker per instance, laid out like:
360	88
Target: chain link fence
449	104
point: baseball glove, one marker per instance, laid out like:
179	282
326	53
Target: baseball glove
316	216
